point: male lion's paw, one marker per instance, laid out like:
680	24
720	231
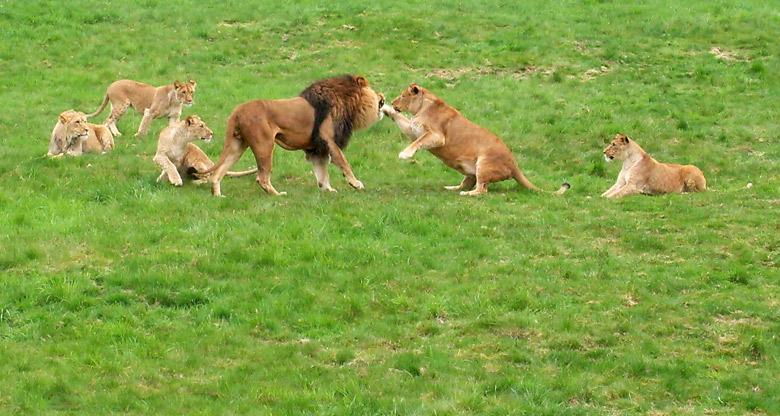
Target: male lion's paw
390	111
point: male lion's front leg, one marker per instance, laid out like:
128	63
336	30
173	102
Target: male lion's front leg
428	140
338	158
168	168
320	164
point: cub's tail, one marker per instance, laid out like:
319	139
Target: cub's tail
102	107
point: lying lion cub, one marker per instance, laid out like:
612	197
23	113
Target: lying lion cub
72	135
152	102
643	174
178	156
461	144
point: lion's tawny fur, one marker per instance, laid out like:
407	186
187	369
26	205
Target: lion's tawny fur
479	155
641	174
72	135
152	102
179	157
320	121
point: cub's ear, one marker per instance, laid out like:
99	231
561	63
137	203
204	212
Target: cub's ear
190	120
362	82
64	117
623	138
193	83
177	84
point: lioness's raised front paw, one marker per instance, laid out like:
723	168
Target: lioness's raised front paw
390	111
357	184
406	154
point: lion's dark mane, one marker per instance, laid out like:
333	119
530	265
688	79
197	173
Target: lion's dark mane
337	96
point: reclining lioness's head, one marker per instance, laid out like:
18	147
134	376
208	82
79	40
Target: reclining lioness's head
411	99
75	124
185	91
69	133
198	128
619	148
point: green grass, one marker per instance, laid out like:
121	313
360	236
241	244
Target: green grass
119	295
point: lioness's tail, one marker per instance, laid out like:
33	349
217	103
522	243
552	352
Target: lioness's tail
102	107
522	180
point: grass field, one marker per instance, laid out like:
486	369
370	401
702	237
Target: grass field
120	295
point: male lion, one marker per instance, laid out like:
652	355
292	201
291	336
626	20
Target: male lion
152	102
72	135
461	144
178	156
641	174
319	121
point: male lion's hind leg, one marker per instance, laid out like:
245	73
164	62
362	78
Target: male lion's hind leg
262	146
467	183
231	152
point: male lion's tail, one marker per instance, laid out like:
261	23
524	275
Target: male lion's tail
231	135
231	174
522	180
102	107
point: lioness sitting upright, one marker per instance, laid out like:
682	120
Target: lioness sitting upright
152	102
319	121
72	135
178	156
643	174
479	155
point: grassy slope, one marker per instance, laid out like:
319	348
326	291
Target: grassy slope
118	294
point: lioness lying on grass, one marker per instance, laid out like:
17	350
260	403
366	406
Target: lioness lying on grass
641	174
72	135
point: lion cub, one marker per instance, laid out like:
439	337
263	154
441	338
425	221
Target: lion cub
72	135
643	174
152	102
479	155
178	156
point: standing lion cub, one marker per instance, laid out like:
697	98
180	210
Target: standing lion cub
178	156
641	174
152	102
